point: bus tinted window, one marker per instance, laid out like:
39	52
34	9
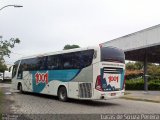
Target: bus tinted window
86	58
54	62
112	54
29	64
41	63
75	60
68	61
15	69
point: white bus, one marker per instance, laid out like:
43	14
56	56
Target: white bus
92	73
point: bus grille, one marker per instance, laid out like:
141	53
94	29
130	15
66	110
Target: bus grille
112	70
85	90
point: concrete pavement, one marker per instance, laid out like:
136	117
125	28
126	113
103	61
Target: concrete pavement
150	96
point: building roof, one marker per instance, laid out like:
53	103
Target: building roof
136	45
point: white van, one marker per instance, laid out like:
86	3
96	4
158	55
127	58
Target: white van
1	76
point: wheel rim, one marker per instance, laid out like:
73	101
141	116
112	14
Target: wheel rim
62	95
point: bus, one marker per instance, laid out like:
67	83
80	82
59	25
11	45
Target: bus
92	73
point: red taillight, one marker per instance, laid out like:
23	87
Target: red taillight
124	83
98	85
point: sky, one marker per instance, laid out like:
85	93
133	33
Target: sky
48	25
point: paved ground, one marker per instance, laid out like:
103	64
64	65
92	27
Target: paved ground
31	104
150	96
157	93
42	104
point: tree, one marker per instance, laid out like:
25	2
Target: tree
66	47
3	67
5	50
130	66
6	45
134	70
153	72
138	65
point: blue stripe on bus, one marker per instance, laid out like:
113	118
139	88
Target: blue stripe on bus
61	75
122	79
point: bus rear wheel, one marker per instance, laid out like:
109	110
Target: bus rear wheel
62	94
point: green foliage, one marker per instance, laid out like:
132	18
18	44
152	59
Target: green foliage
134	66
153	72
0	115
1	97
139	65
66	47
138	84
3	67
6	45
130	66
130	74
135	70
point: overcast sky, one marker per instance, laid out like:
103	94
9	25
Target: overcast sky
47	25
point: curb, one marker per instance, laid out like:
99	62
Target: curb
139	99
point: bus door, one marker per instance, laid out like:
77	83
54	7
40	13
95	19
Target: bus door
25	76
14	75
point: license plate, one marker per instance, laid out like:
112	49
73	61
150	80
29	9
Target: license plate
113	94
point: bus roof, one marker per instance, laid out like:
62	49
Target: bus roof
59	52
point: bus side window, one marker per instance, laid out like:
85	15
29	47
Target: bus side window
86	58
15	69
53	62
20	72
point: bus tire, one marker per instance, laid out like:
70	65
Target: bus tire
62	94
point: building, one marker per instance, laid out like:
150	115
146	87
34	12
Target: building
143	46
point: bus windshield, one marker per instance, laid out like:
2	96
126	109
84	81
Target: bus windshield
111	54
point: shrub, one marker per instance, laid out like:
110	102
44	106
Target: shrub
138	84
132	74
154	85
134	84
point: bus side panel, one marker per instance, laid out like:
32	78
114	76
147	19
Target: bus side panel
85	75
73	91
52	87
14	80
96	72
48	81
27	81
81	86
14	83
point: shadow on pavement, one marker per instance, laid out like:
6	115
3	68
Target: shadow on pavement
93	103
96	103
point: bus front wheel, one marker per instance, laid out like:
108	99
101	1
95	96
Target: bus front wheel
62	94
20	88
